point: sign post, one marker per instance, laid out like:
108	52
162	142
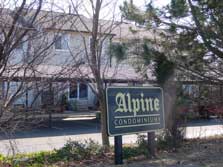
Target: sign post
118	150
151	144
134	110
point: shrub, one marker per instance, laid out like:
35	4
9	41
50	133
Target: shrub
72	150
141	141
1	157
142	144
129	152
166	141
75	150
63	103
98	116
140	149
72	105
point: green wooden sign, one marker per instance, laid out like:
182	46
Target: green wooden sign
134	109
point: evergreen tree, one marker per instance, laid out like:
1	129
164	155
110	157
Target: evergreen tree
192	34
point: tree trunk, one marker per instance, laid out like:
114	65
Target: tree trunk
95	64
170	90
105	139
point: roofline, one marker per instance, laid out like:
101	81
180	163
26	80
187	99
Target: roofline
70	30
64	79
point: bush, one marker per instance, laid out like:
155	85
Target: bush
72	105
1	157
141	141
75	150
166	141
140	149
64	102
98	116
72	150
129	152
142	144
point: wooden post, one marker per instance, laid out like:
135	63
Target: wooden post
151	144
118	150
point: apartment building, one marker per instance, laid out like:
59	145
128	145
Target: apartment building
62	66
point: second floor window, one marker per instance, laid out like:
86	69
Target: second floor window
91	42
22	45
61	42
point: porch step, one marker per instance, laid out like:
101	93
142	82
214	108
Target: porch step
82	105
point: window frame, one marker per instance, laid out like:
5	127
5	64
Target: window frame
69	91
23	44
79	84
90	38
64	37
78	92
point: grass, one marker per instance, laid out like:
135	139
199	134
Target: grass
71	151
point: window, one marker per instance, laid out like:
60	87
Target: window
22	44
19	46
83	90
91	42
78	91
186	89
73	91
61	42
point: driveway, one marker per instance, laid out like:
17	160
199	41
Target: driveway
45	138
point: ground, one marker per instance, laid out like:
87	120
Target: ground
193	153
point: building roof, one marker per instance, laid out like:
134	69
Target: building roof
54	21
59	73
80	23
71	22
128	31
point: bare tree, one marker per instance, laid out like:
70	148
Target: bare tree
97	61
38	30
27	36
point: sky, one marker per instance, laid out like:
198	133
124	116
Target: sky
139	3
107	11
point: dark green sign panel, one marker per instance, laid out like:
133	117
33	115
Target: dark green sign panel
134	109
